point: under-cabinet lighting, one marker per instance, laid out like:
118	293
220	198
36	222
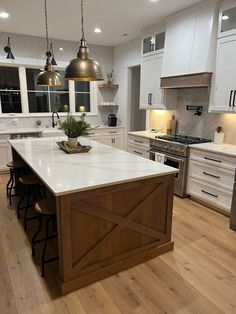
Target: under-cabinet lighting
225	17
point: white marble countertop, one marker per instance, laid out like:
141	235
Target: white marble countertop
102	166
146	134
225	149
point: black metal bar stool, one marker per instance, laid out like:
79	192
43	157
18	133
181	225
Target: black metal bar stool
47	215
16	170
32	191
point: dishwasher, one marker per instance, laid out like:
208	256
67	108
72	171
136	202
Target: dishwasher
233	208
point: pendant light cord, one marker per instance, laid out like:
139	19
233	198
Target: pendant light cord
46	23
82	18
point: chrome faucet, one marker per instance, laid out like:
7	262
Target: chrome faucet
53	121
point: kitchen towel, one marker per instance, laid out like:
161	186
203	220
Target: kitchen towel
160	158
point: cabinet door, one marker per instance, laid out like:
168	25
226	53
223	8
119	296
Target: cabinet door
150	92
5	155
178	46
225	85
227	25
114	141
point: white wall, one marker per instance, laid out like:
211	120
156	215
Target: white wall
125	56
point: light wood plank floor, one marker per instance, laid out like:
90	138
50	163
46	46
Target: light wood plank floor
199	276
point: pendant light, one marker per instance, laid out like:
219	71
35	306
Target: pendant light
7	49
83	68
48	77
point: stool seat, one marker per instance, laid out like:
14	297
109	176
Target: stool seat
15	164
29	179
45	207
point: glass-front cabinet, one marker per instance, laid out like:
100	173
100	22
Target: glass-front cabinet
153	44
227	19
10	94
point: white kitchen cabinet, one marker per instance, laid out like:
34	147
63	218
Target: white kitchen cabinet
224	87
151	95
114	141
5	153
108	136
227	19
139	146
190	41
211	178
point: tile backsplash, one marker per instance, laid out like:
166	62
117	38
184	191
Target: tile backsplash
190	124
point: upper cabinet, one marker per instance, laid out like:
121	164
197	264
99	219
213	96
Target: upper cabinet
153	41
190	38
227	19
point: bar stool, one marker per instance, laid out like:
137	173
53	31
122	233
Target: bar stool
16	170
32	192
46	213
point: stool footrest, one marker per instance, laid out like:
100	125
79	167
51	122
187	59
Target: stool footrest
51	259
43	239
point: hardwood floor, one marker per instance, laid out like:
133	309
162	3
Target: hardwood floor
199	276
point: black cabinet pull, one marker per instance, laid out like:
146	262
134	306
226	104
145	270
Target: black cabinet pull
234	98
230	97
214	195
137	152
211	159
211	175
150	98
138	141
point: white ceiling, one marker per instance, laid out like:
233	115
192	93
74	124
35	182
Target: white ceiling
114	17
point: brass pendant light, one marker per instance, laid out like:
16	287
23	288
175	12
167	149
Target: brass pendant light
48	77
83	68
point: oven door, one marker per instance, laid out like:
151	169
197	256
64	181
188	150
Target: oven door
179	163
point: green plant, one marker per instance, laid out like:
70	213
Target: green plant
74	128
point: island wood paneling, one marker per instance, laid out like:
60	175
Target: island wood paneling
106	230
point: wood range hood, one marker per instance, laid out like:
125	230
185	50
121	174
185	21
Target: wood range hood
193	80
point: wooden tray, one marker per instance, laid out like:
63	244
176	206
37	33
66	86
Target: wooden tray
71	150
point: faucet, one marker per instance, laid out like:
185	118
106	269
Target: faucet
53	121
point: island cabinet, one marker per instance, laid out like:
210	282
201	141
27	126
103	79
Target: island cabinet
109	136
211	178
114	209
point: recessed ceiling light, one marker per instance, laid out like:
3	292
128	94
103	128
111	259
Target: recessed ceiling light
4	15
97	30
61	49
225	17
153	0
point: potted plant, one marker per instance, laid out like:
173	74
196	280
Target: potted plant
38	123
73	129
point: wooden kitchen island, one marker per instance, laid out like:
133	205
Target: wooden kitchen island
114	209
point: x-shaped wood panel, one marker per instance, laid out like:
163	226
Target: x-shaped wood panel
121	223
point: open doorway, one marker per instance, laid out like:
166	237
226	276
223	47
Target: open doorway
137	116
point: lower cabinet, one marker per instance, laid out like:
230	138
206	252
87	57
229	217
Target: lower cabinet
5	153
139	146
211	178
112	137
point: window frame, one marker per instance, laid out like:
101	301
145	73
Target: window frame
72	94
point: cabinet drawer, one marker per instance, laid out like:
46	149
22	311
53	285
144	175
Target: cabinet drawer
220	177
139	141
221	161
95	133
113	131
210	194
136	150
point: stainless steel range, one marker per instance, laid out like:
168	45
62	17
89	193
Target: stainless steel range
173	150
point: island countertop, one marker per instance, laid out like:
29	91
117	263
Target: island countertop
102	166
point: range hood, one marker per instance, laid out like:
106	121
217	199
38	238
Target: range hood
187	81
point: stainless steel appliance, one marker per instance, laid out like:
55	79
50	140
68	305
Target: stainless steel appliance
233	208
176	152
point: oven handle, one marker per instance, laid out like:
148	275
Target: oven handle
168	156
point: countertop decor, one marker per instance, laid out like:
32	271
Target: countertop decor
73	150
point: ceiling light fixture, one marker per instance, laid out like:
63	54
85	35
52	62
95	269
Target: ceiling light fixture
53	61
83	68
153	0
61	49
4	15
97	30
48	77
7	49
225	17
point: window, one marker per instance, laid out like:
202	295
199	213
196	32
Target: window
10	96
46	99
82	96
